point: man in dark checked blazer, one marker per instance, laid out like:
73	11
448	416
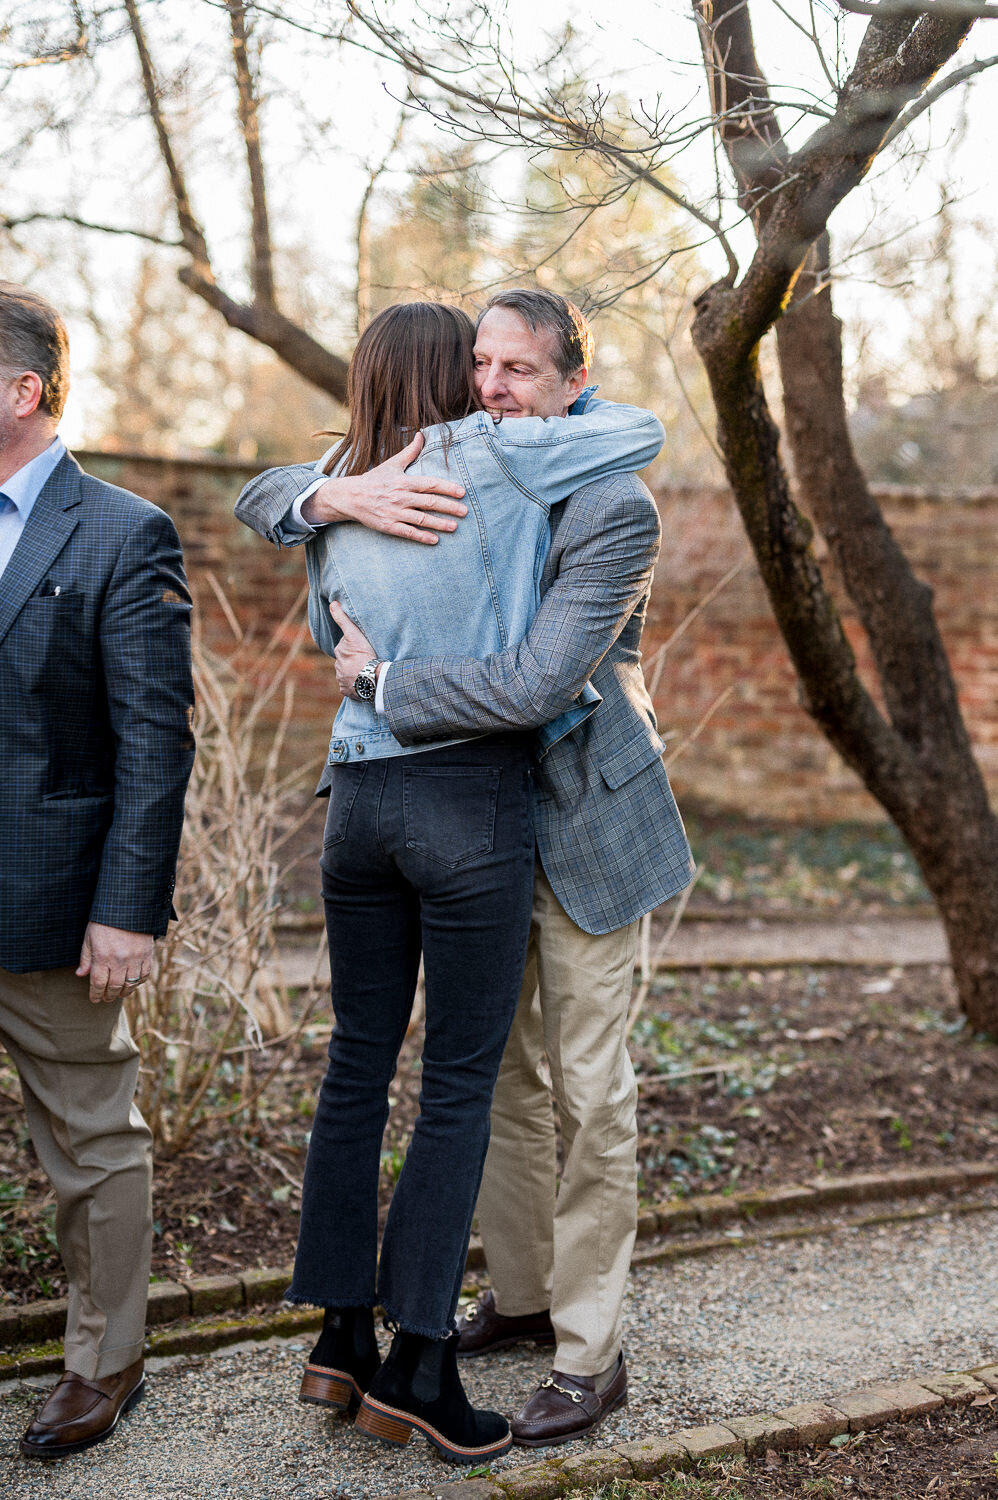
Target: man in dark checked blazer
96	702
610	846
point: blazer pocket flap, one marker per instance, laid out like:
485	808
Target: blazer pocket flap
631	758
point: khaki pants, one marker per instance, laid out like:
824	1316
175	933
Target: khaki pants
566	1248
78	1067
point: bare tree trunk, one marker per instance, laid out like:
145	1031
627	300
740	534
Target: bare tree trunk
916	757
943	812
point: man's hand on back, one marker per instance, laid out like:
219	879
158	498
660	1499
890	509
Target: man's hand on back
353	652
387	499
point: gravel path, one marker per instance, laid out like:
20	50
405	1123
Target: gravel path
720	1336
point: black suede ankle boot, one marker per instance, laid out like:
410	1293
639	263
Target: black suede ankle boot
342	1364
418	1386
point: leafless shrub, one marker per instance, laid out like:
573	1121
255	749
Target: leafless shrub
214	1006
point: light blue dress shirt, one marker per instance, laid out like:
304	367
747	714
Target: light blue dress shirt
18	496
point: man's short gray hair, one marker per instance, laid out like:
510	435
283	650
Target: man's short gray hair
33	337
574	345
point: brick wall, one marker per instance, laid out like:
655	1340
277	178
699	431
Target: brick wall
759	753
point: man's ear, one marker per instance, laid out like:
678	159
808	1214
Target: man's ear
28	390
576	383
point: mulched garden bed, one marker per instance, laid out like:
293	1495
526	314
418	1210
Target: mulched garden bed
952	1455
747	1078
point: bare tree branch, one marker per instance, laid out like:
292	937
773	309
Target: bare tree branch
249	120
911	10
56	218
261	319
517	111
937	90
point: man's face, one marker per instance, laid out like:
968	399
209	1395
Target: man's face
515	370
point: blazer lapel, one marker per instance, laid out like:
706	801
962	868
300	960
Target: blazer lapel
54	518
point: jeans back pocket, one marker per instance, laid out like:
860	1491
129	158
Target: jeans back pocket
450	811
344	785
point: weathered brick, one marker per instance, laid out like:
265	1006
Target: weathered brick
987	1375
653	1455
713	1441
647	1224
864	1409
979	1173
10	1326
861	1187
211	1294
916	1182
265	1285
475	1259
41	1359
600	1466
167	1300
955	1388
538	1482
762	1431
815	1422
43	1320
462	1489
712	1209
782	1200
672	1217
911	1398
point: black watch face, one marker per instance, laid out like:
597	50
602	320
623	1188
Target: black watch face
365	686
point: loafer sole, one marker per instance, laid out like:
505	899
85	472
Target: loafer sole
62	1450
389	1424
553	1439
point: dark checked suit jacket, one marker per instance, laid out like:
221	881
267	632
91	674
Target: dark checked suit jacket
96	703
609	833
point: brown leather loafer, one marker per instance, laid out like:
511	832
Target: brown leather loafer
482	1329
81	1412
564	1407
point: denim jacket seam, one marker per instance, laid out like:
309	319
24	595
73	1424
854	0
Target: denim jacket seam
498	458
648	419
471	496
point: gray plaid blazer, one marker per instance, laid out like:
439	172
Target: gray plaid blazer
609	833
95	727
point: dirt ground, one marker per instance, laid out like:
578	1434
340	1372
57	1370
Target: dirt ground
746	1078
948	1456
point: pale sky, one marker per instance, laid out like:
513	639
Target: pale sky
643	48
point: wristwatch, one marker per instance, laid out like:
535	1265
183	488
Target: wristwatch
365	684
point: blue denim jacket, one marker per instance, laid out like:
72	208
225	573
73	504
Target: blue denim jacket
477	590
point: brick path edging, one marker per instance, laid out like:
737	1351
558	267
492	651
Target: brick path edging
808	1424
37	1323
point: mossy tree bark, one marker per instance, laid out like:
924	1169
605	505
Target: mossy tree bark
914	756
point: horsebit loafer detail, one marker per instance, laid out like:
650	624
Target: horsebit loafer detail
82	1412
564	1407
482	1329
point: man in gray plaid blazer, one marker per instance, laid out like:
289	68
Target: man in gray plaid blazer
95	733
611	847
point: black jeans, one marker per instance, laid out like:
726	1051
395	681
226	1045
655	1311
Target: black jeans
430	853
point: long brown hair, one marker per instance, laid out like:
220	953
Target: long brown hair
413	366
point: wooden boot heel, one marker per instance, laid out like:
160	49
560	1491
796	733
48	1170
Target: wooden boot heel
330	1388
381	1422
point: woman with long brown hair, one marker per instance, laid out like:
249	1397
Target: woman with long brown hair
428	851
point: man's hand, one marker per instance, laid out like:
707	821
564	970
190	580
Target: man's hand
353	652
389	500
117	961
